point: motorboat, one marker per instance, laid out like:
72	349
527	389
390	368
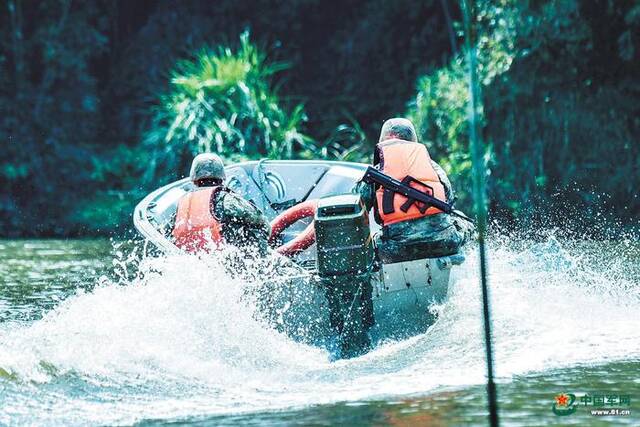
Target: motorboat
341	290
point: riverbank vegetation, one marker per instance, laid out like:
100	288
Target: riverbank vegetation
101	102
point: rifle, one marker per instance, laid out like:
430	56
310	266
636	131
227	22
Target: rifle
374	176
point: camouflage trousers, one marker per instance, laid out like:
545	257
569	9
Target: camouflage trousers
428	237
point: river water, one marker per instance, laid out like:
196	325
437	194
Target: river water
87	339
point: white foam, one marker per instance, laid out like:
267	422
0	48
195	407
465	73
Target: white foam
184	340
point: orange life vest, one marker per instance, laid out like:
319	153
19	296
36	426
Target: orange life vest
196	227
404	160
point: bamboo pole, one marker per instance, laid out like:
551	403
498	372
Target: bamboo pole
479	192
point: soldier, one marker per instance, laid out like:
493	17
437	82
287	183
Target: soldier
213	215
428	233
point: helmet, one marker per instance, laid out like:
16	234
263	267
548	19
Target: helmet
398	128
207	166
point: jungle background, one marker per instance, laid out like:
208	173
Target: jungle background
102	101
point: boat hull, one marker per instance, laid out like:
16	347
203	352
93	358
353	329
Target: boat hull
402	293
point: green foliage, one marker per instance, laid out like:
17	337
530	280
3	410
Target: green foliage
440	108
85	132
439	113
224	101
79	85
103	212
48	111
560	105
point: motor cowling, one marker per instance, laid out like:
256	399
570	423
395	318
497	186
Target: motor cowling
343	236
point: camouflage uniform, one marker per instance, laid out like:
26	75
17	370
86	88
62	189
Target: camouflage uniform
435	235
242	222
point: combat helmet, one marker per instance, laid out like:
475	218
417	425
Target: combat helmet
207	167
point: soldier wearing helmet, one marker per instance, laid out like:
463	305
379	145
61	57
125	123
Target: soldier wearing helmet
428	232
213	215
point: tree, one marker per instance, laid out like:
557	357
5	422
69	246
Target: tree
224	101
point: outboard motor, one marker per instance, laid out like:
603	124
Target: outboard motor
345	263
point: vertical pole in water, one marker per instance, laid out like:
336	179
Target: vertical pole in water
468	8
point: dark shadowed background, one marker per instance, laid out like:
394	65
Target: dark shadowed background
103	101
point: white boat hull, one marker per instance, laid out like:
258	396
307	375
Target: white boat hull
403	292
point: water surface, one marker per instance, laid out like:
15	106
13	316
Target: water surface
85	339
